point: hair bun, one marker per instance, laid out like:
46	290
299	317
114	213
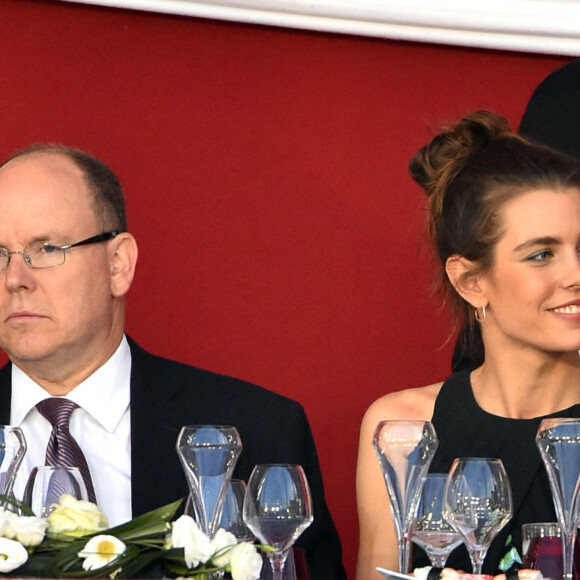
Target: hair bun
434	166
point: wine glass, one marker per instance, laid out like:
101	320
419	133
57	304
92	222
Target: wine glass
405	450
48	483
232	518
278	508
478	503
430	530
208	454
12	450
559	443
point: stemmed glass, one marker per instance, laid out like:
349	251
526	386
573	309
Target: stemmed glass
405	450
278	508
430	530
208	454
559	443
12	450
478	503
48	483
232	518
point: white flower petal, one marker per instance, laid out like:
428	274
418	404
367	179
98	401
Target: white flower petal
186	534
245	562
218	543
101	550
6	516
12	555
28	530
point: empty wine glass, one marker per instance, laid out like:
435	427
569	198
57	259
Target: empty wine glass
430	530
232	518
278	508
559	443
405	450
12	450
478	503
48	483
208	454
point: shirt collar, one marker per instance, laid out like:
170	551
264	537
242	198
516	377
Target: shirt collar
105	395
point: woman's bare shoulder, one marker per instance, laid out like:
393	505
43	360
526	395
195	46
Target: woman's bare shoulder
410	404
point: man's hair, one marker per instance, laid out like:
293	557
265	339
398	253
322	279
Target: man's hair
104	185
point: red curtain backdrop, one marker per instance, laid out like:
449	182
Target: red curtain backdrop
281	240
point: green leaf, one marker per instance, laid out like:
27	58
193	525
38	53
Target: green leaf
14	505
144	537
149	524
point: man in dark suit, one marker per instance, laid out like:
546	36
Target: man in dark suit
66	265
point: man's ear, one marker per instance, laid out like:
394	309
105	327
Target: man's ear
463	275
122	259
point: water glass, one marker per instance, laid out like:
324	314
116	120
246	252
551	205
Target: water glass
405	450
559	443
208	454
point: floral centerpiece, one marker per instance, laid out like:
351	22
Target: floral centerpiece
74	542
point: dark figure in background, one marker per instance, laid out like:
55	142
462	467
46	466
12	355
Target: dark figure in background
552	118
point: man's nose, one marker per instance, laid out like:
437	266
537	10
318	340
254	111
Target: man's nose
18	273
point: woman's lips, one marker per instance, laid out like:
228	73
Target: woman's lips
568	308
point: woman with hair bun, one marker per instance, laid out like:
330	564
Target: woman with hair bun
504	217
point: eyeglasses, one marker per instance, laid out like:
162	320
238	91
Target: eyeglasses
47	255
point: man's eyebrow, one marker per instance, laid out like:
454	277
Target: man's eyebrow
41	238
543	241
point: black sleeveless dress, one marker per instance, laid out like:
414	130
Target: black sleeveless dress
466	430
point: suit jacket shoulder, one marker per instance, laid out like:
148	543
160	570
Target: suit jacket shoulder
165	395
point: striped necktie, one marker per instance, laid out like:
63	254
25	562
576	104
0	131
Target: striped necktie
63	450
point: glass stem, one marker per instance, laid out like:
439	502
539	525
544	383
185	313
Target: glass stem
277	561
437	558
404	554
477	557
568	542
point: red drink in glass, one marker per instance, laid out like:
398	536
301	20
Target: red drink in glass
545	554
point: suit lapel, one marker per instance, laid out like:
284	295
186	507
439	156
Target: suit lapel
5	393
156	475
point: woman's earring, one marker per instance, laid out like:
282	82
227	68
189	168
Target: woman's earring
480	317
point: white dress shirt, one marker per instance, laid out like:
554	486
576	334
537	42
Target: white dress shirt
101	427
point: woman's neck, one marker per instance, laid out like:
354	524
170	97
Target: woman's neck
528	386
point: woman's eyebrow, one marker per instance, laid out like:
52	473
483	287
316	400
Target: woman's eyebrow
543	241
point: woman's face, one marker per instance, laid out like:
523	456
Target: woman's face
533	287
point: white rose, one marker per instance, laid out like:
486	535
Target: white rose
221	540
12	555
28	530
186	534
6	516
245	562
76	517
101	550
